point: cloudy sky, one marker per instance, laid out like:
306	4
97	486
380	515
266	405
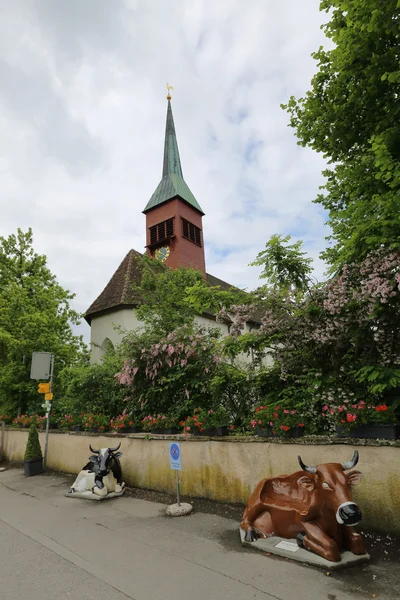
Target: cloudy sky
82	118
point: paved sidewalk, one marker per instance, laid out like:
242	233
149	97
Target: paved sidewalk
56	547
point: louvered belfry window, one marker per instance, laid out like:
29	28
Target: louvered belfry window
191	232
162	231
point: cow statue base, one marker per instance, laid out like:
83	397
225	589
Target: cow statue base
308	516
101	478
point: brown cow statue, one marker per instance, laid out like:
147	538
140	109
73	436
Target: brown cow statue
314	505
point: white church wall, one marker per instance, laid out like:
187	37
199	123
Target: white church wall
104	330
106	326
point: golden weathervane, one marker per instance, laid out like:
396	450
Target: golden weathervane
169	88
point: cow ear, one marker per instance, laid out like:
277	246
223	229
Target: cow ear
354	477
117	455
93	458
306	482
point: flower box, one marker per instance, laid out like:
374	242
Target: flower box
382	431
211	431
130	430
294	432
166	431
33	467
159	424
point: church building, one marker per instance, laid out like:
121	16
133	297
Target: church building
174	236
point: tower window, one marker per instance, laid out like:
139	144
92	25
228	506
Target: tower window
162	231
191	232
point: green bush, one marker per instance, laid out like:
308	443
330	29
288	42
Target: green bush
33	449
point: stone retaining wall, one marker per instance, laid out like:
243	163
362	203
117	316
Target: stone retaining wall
227	469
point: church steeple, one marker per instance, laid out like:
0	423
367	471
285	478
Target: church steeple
174	231
172	161
172	184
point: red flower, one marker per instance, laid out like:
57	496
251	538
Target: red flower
300	425
351	418
285	428
381	407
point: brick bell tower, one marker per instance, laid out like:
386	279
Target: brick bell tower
174	231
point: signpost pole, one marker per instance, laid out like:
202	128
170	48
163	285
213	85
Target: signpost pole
175	461
178	495
48	408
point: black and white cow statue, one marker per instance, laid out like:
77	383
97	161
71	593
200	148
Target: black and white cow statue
102	475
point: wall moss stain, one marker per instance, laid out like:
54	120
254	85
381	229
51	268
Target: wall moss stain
228	471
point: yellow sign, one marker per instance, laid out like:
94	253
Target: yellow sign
48	396
44	388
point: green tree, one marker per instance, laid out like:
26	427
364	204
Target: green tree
35	315
171	298
92	388
352	116
284	265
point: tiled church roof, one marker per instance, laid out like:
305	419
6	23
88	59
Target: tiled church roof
119	292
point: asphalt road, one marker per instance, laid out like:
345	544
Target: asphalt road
55	547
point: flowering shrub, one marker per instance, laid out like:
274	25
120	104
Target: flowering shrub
28	420
348	415
123	421
342	334
279	418
68	421
152	422
99	422
174	372
206	419
6	418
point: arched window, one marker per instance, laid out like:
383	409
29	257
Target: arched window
106	346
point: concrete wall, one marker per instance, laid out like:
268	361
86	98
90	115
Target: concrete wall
227	469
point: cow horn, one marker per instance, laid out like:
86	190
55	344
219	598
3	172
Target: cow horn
351	463
115	449
94	451
305	468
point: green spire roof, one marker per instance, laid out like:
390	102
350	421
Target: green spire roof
172	183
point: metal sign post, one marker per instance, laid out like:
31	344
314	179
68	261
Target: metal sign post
48	409
176	465
42	367
175	462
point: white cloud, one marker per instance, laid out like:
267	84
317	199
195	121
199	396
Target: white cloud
82	107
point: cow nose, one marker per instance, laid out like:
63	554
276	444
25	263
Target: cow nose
348	513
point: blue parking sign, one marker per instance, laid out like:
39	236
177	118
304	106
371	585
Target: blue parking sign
175	456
